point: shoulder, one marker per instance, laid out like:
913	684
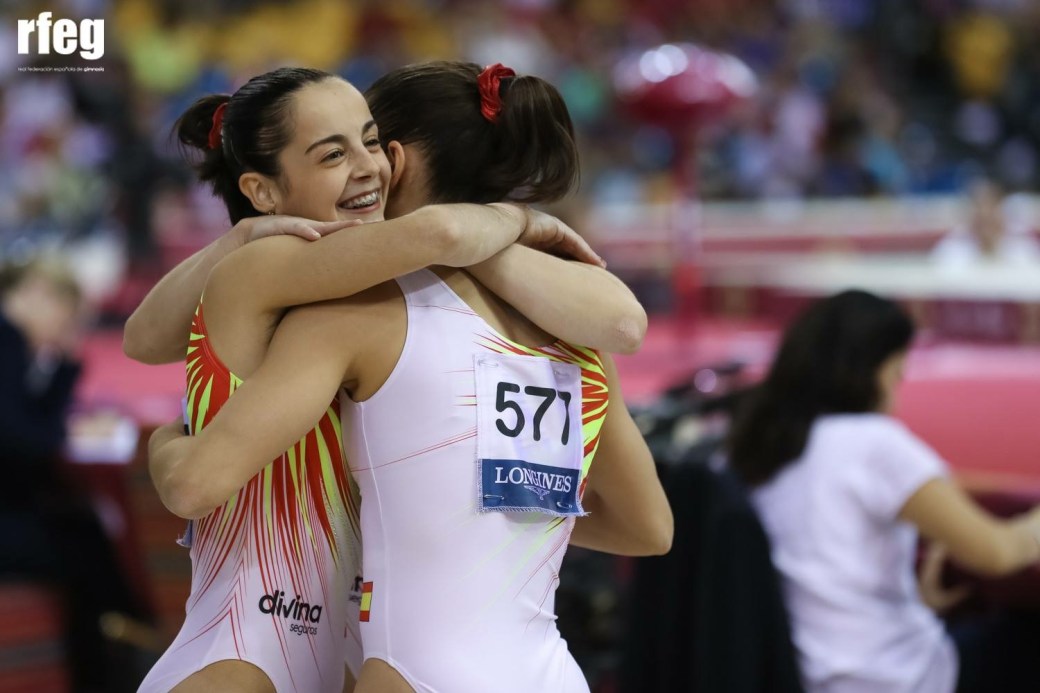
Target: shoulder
897	463
251	261
866	428
875	445
890	433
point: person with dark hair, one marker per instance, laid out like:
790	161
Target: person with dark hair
843	489
245	296
459	412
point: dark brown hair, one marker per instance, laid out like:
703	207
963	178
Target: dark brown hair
527	155
828	363
256	127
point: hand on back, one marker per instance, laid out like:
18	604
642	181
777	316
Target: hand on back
545	232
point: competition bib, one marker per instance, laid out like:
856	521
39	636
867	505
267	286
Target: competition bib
529	435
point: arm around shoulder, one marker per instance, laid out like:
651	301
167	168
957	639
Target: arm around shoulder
575	301
273	409
279	272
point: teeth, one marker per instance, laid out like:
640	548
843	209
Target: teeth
363	201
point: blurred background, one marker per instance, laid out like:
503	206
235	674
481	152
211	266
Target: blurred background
739	158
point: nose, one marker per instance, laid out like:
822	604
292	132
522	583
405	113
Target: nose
367	165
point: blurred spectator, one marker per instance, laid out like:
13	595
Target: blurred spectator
997	229
48	530
859	97
843	490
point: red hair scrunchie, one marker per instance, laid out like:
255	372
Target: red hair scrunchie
489	81
218	123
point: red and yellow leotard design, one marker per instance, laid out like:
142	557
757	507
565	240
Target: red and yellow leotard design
272	567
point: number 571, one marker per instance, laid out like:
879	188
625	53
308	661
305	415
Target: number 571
548	396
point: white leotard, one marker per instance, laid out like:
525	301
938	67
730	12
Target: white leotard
458	600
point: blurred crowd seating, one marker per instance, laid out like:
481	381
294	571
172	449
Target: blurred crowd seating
856	98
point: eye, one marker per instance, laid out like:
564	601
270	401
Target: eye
333	155
374	142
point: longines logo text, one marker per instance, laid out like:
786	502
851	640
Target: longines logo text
43	35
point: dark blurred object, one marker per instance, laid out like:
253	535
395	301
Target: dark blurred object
49	533
690	417
589	614
708	616
31	639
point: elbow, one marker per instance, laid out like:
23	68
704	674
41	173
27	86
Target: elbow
655	537
140	344
135	343
187	498
630	330
183	502
659	541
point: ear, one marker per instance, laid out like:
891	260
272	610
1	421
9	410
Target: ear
395	153
261	191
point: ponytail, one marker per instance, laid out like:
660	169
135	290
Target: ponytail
526	152
828	363
213	165
536	155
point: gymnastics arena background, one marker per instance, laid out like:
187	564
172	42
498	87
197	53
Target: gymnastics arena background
740	158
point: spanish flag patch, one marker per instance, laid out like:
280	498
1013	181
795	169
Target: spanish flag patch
366	600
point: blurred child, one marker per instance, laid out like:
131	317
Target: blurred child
48	531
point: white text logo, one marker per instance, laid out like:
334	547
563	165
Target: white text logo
66	37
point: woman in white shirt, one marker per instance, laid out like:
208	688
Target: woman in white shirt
843	490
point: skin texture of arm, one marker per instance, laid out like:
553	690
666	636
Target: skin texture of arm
270	411
574	301
339	264
628	511
943	512
343	264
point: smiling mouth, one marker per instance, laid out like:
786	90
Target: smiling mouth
361	201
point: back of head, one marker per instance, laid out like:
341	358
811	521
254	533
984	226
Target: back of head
253	126
828	363
526	153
